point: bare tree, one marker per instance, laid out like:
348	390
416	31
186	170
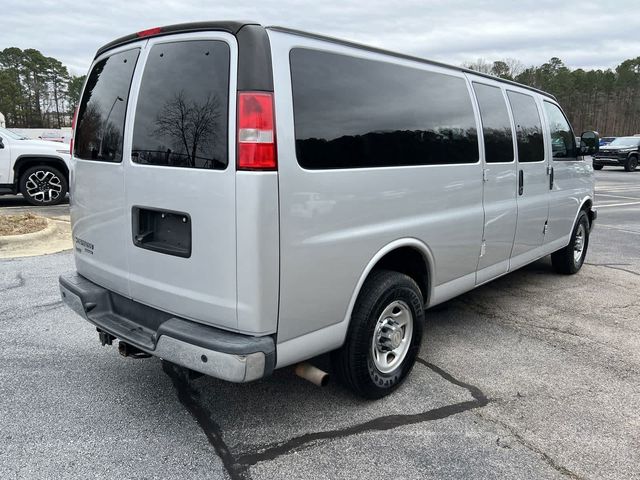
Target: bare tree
480	65
190	125
515	66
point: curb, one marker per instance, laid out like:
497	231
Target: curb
27	237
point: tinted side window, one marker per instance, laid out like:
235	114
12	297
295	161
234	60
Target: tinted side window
353	113
563	142
528	127
100	124
182	112
496	126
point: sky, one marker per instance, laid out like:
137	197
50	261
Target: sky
584	34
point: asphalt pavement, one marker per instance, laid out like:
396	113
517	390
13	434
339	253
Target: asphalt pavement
16	204
532	376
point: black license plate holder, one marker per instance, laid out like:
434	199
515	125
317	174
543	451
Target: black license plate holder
162	231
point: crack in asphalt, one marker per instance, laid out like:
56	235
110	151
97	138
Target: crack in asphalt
529	446
506	320
238	466
189	398
43	307
614	266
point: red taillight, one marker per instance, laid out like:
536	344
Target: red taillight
149	32
256	132
73	130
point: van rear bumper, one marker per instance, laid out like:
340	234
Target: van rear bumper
212	351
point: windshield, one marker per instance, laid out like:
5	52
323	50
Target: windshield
10	134
625	142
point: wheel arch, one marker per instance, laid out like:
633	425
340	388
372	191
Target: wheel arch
23	162
585	206
392	256
333	336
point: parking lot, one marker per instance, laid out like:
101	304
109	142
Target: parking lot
535	375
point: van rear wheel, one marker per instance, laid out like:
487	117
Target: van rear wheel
569	259
384	336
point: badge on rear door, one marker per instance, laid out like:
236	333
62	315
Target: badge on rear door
82	246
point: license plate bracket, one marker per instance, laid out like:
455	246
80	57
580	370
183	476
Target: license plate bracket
162	231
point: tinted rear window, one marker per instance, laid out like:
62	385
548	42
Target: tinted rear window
528	127
182	111
352	113
496	126
100	124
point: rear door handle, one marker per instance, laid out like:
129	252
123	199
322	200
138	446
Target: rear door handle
551	179
520	182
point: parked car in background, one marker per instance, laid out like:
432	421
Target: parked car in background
52	137
621	152
606	140
37	169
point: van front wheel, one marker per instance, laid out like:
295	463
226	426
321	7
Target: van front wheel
384	336
569	259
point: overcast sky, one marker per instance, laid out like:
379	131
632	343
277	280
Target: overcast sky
583	33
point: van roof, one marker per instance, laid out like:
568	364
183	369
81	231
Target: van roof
230	26
233	27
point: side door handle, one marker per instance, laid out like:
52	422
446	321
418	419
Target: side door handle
520	182
551	179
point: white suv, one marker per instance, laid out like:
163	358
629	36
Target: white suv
37	169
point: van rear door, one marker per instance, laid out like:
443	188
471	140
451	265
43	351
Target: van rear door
179	181
154	216
98	215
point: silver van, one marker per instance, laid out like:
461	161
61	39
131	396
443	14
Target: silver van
246	198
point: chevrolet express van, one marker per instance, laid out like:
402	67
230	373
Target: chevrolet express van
246	198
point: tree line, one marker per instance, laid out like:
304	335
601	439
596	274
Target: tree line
607	101
36	91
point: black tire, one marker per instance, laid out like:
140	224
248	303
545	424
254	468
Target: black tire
354	363
631	163
43	185
564	260
598	167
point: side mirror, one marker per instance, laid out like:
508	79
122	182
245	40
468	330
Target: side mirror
589	143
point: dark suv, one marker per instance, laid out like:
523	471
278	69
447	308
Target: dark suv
623	151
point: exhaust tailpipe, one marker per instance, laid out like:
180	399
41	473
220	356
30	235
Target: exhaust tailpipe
313	374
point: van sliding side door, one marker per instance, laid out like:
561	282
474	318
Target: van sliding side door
499	175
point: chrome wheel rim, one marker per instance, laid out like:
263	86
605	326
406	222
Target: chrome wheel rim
44	186
578	244
392	336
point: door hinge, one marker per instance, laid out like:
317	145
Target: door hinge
545	229
483	248
549	169
485	174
